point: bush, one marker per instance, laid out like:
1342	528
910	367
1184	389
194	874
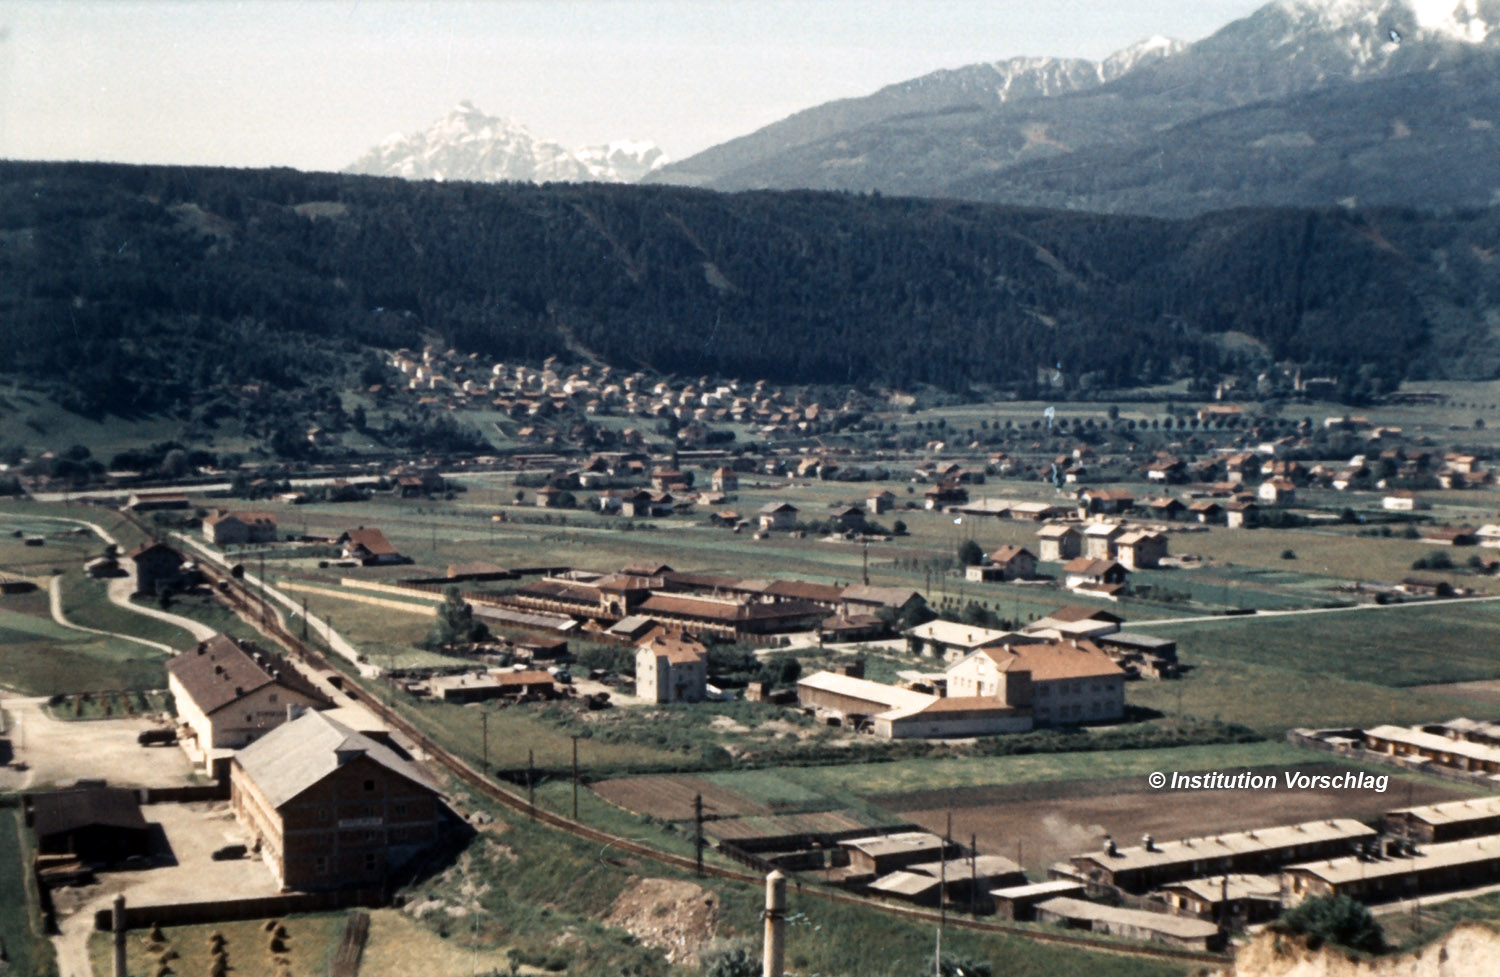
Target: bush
1338	920
1288	555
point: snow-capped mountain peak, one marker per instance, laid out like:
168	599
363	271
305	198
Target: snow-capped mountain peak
467	144
1125	60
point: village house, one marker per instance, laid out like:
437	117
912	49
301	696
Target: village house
1100	538
1105	501
369	547
1241	514
1405	500
1166	508
1059	542
1277	491
879	502
225	528
1205	510
867	599
1101	578
1006	563
671	667
949	640
1141	549
330	807
157	567
230	693
777	517
725	480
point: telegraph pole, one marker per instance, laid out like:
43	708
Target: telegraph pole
973	874
575	777
531	782
304	619
698	829
484	723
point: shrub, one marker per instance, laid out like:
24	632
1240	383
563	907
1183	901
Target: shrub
1338	920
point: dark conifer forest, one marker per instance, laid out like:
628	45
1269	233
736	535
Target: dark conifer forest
129	287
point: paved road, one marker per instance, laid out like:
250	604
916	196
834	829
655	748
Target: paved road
119	591
54	592
1358	608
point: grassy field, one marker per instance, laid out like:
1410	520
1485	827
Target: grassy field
41	657
815	786
28	950
86	602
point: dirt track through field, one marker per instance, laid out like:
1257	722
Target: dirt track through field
1052	821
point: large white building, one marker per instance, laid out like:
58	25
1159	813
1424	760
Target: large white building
671	668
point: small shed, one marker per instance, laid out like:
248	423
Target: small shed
97	824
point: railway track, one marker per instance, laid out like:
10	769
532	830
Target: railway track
248	604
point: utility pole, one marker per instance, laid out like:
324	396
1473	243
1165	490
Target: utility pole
304	619
698	829
866	567
264	616
973	874
484	723
943	878
575	777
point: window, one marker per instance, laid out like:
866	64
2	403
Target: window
320	865
398	810
272	697
369	861
369	786
323	815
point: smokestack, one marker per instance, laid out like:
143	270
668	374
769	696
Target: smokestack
775	915
119	936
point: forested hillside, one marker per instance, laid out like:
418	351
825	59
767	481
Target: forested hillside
135	288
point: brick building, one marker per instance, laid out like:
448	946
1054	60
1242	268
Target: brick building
330	807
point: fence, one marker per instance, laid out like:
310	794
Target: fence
227	910
424	610
419	591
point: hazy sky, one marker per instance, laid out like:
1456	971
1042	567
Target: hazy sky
314	84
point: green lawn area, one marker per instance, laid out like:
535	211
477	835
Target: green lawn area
27	949
1407	645
86	602
40	657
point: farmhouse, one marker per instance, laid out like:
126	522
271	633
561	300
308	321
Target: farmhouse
225	528
331	807
1058	542
97	824
230	693
949	640
777	516
1060	681
1107	501
1005	563
1151	865
1437	867
671	668
1100	539
1102	578
1240	513
865	599
1141	549
369	547
879	502
1450	821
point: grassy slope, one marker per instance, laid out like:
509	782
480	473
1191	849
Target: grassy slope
29	952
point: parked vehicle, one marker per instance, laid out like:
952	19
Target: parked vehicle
229	853
156	737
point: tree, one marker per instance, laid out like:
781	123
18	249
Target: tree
969	553
957	967
455	622
1338	920
898	528
1288	555
734	963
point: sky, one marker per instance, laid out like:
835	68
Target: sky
314	84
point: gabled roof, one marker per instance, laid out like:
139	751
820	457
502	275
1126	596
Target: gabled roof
65	810
676	648
771	508
1052	660
298	755
372	540
219	672
885	596
1087	567
1056	530
145	548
